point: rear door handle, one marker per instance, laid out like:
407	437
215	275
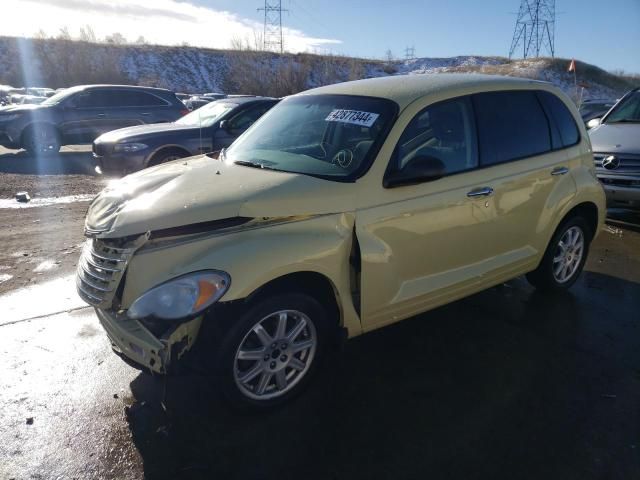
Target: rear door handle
480	192
559	171
145	114
101	115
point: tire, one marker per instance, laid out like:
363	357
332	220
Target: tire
166	156
560	268
278	364
42	140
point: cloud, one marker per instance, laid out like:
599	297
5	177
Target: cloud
165	22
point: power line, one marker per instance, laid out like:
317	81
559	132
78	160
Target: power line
272	33
535	28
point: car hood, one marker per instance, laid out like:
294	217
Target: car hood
201	189
23	107
616	138
142	131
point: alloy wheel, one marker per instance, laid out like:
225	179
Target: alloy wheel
275	354
568	254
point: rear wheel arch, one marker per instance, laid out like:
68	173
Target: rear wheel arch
588	211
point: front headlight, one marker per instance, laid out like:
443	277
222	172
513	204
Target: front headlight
129	147
8	118
181	297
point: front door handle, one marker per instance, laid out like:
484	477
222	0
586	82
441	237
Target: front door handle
480	192
145	114
559	171
101	115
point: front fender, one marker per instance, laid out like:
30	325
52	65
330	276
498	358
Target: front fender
255	256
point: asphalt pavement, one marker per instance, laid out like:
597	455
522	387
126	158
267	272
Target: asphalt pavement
508	383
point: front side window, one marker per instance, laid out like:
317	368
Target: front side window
92	99
511	125
248	117
627	110
444	131
329	136
207	115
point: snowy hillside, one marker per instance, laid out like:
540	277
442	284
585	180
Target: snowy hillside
60	63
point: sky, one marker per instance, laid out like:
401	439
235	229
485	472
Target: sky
603	32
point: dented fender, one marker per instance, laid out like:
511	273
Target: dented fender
254	255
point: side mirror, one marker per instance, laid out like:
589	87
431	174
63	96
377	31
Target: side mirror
226	126
421	168
594	122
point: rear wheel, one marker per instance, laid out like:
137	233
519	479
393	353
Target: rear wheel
42	140
564	258
270	354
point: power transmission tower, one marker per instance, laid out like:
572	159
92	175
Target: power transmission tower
410	53
535	28
272	34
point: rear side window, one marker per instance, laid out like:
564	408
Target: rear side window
130	98
511	125
565	126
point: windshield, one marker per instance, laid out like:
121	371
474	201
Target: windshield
627	110
63	95
207	115
331	136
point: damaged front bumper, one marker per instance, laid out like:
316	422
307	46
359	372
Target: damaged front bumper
131	340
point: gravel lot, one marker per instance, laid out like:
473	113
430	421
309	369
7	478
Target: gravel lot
39	243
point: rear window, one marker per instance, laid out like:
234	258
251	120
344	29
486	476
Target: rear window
511	125
565	126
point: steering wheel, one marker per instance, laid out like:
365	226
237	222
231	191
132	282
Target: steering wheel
343	157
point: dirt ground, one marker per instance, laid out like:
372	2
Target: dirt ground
43	242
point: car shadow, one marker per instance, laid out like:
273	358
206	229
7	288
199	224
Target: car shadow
65	162
508	383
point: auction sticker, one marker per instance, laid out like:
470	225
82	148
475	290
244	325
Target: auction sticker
355	117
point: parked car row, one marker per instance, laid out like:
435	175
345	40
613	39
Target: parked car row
343	209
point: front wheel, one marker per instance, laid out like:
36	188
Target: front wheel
42	140
270	354
564	258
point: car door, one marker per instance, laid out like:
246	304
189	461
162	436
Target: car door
239	123
431	243
86	116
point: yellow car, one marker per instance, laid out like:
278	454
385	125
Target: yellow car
343	209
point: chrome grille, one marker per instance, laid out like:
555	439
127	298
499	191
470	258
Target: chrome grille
629	164
100	270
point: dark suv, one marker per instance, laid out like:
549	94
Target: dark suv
207	129
80	114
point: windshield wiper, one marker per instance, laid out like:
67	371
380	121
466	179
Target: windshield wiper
624	120
261	166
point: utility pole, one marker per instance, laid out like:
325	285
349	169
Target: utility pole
410	53
535	28
272	33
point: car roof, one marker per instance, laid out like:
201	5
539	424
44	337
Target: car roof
136	87
404	89
242	100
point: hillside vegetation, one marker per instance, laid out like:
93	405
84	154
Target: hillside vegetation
61	63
